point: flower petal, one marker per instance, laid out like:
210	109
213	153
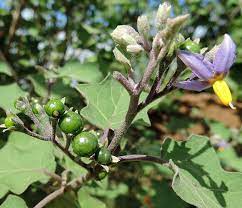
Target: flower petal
194	85
225	55
198	64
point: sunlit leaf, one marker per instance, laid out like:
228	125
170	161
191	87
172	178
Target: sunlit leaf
107	104
199	178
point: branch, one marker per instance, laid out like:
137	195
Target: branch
72	185
155	97
104	137
50	198
123	81
130	115
15	20
52	175
19	122
133	103
146	158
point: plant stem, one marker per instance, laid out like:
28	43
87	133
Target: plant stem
147	158
50	197
72	185
133	103
131	113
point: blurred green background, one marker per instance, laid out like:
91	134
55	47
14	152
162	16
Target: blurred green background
73	38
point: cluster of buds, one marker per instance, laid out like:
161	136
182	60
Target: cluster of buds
208	68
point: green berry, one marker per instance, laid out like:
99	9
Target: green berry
36	108
71	123
85	144
101	175
191	46
54	108
9	121
103	156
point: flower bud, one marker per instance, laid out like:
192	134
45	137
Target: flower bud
158	43
135	48
128	40
162	14
120	57
143	25
123	34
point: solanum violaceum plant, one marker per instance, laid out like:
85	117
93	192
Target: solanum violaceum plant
166	52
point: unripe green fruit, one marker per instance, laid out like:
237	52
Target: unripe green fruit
71	123
191	46
54	108
103	156
85	144
9	121
36	108
101	175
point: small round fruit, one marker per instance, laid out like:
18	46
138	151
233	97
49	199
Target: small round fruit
191	46
36	108
54	108
85	144
9	121
103	156
71	123
101	175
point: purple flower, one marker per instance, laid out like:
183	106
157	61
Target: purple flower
206	73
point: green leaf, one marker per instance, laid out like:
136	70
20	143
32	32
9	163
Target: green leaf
86	72
13	201
8	94
199	178
4	68
87	201
22	160
107	104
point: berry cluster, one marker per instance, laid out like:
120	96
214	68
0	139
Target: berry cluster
84	143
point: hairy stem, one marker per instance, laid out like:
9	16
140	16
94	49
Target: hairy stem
146	158
72	185
131	113
50	197
133	103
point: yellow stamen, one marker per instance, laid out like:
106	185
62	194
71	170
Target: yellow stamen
222	90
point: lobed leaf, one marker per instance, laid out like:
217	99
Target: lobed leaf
200	179
107	104
22	161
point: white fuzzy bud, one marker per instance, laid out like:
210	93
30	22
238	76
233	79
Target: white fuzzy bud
128	40
120	57
143	25
163	14
136	48
119	35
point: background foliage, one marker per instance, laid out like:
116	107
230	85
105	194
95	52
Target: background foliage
72	39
